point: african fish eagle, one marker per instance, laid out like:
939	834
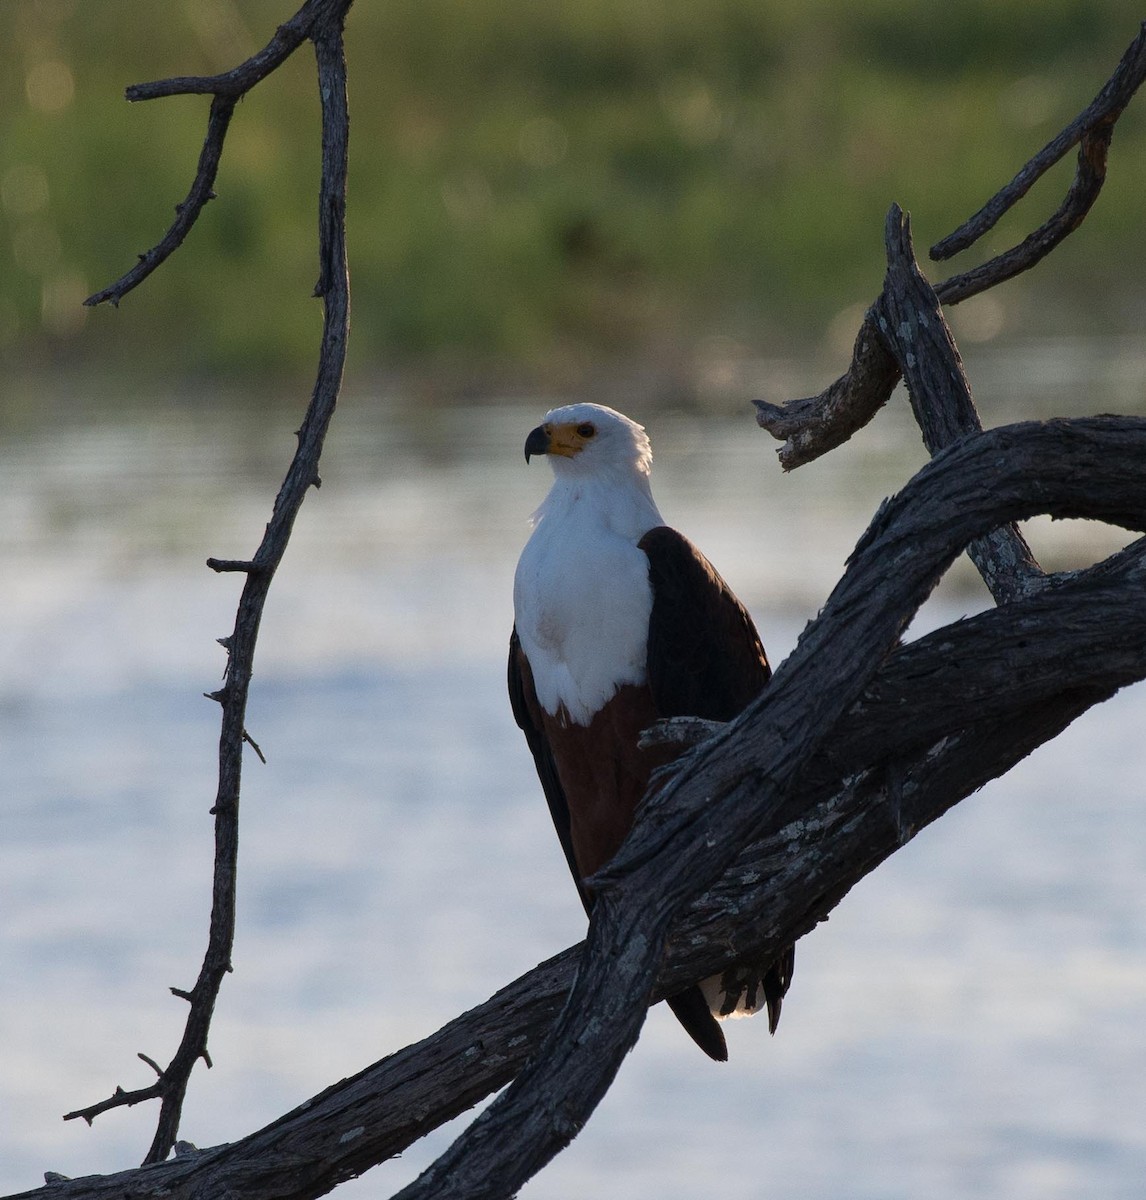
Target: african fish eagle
618	622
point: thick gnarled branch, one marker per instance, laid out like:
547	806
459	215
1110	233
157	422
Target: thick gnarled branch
897	759
730	790
814	425
912	324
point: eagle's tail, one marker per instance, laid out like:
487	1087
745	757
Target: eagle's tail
746	987
691	1009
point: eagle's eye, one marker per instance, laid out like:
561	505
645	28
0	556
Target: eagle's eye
586	430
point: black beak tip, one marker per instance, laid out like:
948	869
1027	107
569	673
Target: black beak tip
536	443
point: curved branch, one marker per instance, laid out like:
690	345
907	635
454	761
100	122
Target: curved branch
236	82
1099	115
227	89
882	777
1081	195
325	30
811	426
729	791
186	214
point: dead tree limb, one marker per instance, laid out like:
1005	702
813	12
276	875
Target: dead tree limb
812	426
760	830
731	789
1095	121
902	753
226	91
911	323
320	21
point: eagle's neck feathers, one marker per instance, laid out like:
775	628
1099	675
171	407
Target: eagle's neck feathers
582	595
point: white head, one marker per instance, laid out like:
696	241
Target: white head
581	594
588	440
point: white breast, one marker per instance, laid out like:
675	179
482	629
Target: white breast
582	600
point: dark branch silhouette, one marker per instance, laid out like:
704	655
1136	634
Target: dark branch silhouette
227	90
761	828
812	426
321	21
1095	120
937	719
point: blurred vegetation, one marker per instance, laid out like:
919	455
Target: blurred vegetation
536	185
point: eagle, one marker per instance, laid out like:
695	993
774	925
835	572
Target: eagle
620	621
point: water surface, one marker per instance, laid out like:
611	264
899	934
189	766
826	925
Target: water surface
968	1024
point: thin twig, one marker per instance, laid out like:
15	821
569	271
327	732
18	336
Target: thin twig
241	79
227	90
1101	113
322	22
678	731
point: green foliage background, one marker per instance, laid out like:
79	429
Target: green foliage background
538	183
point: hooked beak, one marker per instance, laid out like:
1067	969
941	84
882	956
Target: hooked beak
537	442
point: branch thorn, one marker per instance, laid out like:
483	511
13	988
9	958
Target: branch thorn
151	1063
231	564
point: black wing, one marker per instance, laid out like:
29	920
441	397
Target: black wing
706	660
705	656
527	713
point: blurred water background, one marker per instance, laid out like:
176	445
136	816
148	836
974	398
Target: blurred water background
969	1023
670	207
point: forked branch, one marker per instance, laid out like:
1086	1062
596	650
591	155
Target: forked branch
1095	121
1021	672
814	425
321	21
227	90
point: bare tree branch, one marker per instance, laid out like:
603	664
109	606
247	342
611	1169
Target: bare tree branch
812	426
186	213
1097	118
241	79
731	789
227	89
912	324
1081	195
322	22
896	761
